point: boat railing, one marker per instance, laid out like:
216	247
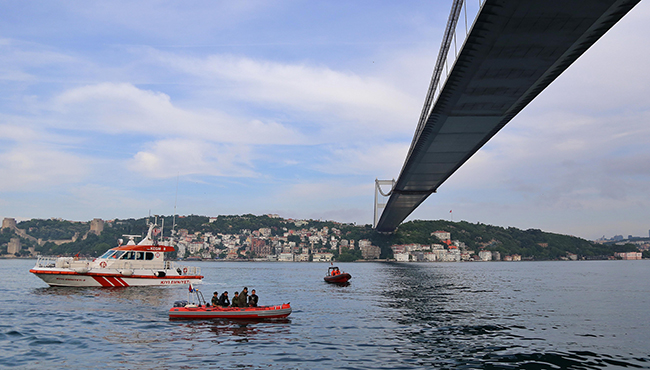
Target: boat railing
62	262
43	261
187	270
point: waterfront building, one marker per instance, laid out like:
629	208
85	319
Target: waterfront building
430	256
322	257
302	257
285	257
260	248
629	255
485	255
232	254
401	257
369	251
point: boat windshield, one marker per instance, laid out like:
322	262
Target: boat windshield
117	254
107	254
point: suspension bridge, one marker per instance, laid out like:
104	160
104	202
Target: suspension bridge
506	54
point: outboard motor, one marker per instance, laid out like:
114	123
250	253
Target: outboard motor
180	303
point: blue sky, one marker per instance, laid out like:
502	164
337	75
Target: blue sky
294	108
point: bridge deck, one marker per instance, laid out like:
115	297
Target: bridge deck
514	50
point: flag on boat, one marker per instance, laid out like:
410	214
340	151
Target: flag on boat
192	290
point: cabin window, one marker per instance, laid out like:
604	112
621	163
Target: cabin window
139	256
130	255
149	256
107	254
118	254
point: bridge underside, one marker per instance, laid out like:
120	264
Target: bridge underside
514	50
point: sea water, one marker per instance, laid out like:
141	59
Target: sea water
479	315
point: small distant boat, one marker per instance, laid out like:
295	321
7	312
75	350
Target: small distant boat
186	310
141	264
336	276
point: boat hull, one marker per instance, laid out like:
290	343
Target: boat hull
71	278
338	279
247	313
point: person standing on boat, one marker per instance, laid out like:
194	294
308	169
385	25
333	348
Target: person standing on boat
235	300
252	300
243	297
215	299
223	299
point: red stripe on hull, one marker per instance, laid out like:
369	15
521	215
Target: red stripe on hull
105	283
116	281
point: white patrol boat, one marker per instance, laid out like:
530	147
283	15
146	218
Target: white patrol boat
132	264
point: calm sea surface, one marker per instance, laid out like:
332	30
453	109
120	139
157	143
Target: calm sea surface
493	315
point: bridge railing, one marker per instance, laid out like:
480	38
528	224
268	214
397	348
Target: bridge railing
460	22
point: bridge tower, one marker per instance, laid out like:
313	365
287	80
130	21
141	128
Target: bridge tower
381	198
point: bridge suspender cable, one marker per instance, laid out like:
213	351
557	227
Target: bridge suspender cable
440	63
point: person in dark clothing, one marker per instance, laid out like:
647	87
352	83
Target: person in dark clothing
235	300
243	297
252	300
215	299
223	299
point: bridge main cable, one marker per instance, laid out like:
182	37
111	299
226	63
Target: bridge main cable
437	70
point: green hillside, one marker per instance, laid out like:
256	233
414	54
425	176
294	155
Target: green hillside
531	244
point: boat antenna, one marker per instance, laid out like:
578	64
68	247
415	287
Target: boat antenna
175	201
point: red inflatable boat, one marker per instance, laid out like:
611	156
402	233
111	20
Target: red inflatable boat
336	276
216	312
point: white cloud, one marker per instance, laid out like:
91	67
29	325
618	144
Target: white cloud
301	88
340	200
374	160
172	157
16	132
125	109
35	167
